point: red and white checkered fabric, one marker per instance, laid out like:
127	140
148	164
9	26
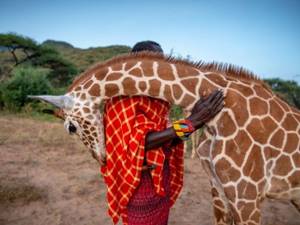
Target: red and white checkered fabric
127	121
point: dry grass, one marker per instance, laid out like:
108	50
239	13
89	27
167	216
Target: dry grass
24	131
18	190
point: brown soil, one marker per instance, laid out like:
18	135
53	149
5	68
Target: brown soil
47	177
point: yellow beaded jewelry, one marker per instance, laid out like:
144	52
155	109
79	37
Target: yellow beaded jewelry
183	129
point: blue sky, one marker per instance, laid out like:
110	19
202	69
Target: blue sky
262	36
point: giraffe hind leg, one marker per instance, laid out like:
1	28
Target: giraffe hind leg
296	204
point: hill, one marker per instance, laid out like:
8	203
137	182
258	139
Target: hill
83	58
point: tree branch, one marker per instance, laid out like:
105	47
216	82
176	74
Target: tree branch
12	51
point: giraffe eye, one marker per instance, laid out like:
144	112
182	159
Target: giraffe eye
72	128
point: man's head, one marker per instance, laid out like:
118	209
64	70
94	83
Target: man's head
147	46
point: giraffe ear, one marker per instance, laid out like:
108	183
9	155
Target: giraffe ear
61	101
57	113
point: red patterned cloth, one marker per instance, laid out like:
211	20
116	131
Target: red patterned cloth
127	121
145	206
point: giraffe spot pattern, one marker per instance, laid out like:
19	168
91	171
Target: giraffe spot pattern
236	149
86	110
254	167
294	179
277	139
94	90
168	93
278	185
226	172
291	143
147	68
217	79
237	103
262	92
246	209
276	111
258	106
101	74
116	67
129	83
190	84
261	129
155	86
177	91
111	90
296	157
205	148
142	86
244	90
188	99
207	87
185	71
88	84
130	64
114	76
230	193
283	104
136	72
165	72
283	165
289	123
218	146
226	125
255	216
246	190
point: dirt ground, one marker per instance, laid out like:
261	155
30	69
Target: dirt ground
47	177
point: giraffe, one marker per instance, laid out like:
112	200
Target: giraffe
250	150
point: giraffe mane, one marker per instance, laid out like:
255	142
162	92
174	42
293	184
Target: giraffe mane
227	69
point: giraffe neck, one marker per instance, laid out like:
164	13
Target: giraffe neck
178	84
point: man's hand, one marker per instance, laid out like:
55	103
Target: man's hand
206	108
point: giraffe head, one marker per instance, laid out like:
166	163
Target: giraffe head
81	117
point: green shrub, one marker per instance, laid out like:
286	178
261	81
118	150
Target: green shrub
1	97
25	81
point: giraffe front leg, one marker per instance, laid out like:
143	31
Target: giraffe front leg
222	215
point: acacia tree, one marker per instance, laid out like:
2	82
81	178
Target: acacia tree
62	71
14	42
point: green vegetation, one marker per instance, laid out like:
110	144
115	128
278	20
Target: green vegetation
27	67
25	81
288	90
25	51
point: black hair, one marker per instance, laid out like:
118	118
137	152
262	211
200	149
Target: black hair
147	46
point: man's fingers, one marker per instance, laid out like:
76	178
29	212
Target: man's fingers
213	95
218	107
217	98
218	103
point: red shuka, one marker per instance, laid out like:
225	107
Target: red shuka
127	121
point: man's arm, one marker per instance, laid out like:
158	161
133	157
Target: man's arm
203	111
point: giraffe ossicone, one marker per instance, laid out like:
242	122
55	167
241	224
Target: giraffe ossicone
250	150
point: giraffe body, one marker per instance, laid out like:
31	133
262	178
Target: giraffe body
250	150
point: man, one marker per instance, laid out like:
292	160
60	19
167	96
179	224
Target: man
136	131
